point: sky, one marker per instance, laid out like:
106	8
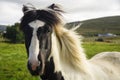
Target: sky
76	10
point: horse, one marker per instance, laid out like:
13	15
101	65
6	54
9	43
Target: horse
55	52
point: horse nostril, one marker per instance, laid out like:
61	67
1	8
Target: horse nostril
33	66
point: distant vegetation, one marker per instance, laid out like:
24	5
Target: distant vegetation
89	28
13	34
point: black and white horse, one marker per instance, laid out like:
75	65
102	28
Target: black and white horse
55	53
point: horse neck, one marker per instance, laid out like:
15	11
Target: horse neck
67	51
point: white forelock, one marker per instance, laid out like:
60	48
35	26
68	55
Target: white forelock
36	24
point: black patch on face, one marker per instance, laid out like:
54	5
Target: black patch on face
49	72
28	36
44	37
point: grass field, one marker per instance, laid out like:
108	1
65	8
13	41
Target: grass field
13	61
13	58
92	48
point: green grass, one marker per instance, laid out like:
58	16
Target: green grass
13	61
13	58
92	48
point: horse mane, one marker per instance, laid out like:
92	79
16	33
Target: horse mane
71	51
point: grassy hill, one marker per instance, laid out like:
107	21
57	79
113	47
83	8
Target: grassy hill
99	25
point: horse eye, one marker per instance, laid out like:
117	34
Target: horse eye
40	29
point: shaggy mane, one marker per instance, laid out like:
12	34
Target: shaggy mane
70	51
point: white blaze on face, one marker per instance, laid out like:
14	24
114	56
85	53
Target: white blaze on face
34	46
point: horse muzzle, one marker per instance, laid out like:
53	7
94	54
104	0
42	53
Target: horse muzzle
36	68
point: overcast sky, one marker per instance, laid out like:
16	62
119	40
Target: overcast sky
77	10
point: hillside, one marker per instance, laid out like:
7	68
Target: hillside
99	25
94	26
2	28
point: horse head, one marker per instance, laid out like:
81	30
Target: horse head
37	26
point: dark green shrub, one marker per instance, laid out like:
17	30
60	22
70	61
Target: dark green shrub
13	34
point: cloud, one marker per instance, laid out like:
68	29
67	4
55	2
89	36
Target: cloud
89	15
94	9
11	10
9	13
96	6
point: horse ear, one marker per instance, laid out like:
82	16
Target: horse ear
56	7
27	7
